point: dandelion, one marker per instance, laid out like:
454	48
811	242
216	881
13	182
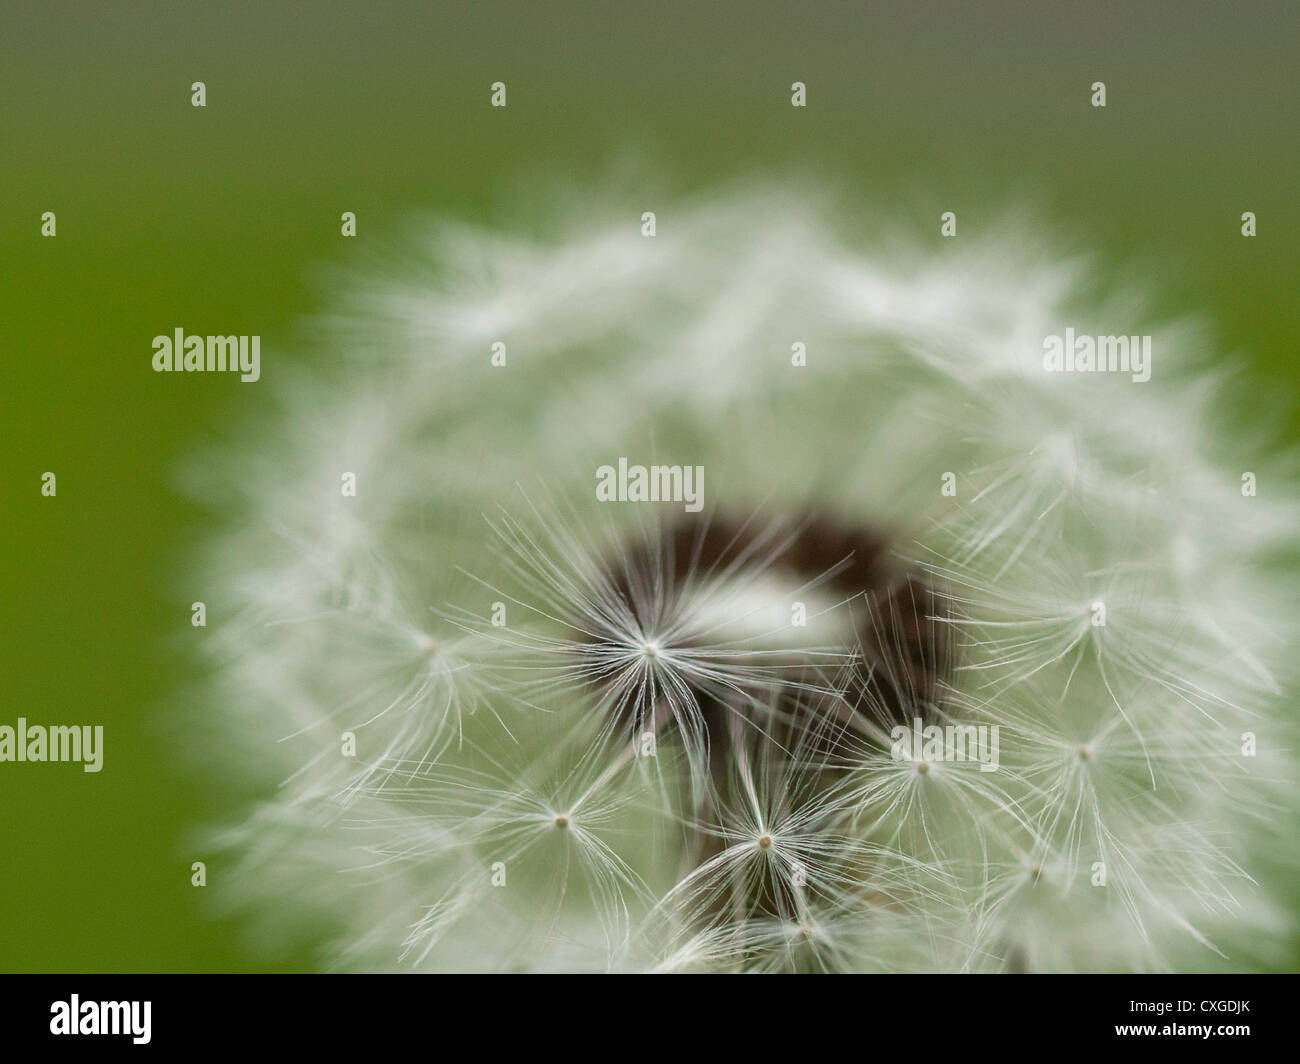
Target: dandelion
492	733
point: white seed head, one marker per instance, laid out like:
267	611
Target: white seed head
730	799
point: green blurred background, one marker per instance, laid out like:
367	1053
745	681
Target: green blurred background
220	220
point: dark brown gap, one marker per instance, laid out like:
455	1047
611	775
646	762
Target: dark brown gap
904	656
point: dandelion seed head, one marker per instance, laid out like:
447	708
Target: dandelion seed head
493	724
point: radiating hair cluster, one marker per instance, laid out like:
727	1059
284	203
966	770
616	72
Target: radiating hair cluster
490	721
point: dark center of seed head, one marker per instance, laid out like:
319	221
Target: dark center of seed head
895	660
